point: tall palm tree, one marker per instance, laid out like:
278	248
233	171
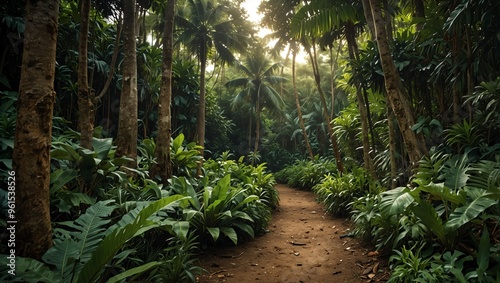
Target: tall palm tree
204	26
257	86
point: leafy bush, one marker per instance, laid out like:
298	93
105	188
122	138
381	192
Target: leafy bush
414	267
305	174
337	192
220	212
83	252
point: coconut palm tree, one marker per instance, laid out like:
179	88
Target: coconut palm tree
206	26
257	86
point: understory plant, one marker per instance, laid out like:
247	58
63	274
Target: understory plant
337	192
85	248
304	174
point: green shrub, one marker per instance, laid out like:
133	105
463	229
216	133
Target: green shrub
337	192
305	174
414	267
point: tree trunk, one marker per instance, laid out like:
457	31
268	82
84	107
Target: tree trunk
202	103
299	111
85	107
363	113
32	142
395	90
163	167
392	145
257	125
419	12
317	80
114	57
127	122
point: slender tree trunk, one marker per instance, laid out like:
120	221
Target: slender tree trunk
395	90
419	12
257	124
392	144
114	57
299	110
163	167
317	80
127	124
32	141
363	113
202	103
250	126
85	99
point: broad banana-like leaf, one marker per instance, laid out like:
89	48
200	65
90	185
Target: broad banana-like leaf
396	201
464	214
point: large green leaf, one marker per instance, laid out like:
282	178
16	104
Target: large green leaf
71	253
134	271
441	191
396	201
429	217
113	242
60	177
102	147
214	232
455	172
230	233
470	211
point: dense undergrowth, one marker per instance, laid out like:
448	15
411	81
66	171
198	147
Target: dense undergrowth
443	225
111	227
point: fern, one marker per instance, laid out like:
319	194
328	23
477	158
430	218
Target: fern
112	243
75	249
27	270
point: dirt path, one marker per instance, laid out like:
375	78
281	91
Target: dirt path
303	245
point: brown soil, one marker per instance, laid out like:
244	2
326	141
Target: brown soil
303	245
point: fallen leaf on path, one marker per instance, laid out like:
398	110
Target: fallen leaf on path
297	243
375	267
375	253
367	271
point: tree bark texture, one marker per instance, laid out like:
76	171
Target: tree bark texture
127	123
32	142
163	167
395	90
85	99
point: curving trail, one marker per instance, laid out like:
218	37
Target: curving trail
303	246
